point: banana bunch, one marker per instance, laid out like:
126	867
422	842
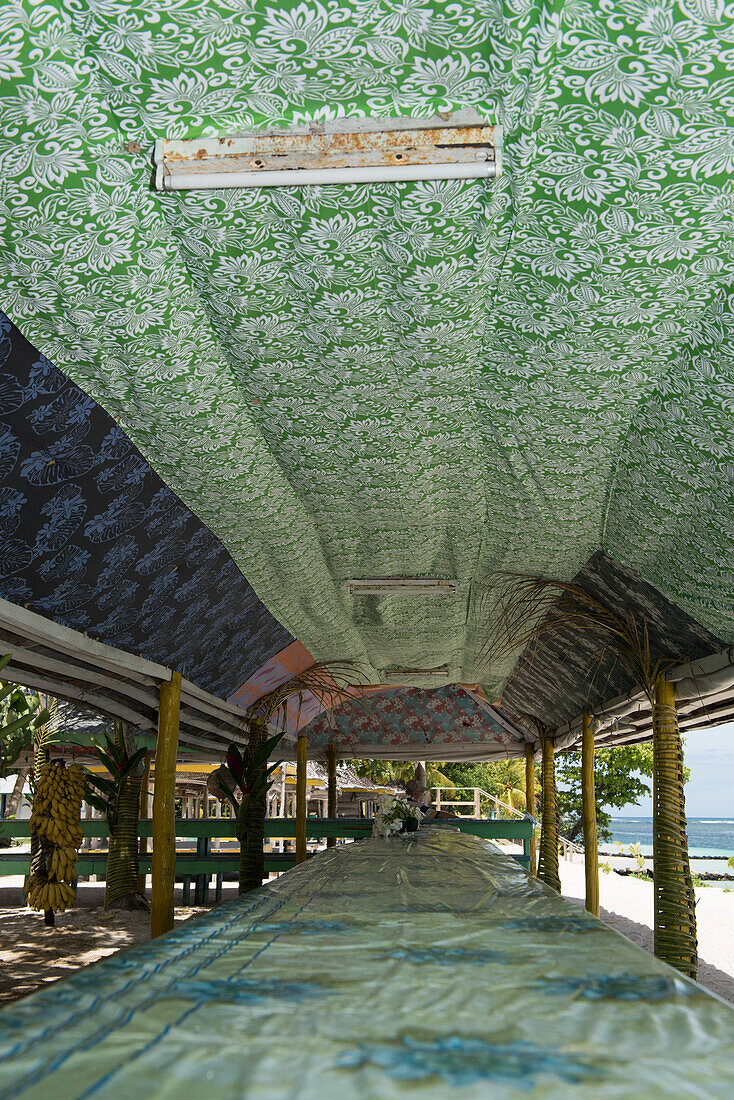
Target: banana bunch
55	822
49	895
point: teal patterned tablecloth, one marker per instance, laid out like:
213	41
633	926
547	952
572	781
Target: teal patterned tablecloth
425	966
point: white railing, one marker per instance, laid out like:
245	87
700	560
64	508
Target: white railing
475	801
569	848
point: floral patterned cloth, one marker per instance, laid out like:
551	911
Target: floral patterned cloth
432	378
428	965
447	720
92	538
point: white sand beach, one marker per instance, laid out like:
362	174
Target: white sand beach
626	904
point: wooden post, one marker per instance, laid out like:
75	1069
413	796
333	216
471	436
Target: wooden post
675	902
548	856
164	824
301	759
588	807
530	803
331	808
144	811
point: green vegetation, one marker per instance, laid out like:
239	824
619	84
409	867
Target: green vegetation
618	779
20	716
400	771
503	779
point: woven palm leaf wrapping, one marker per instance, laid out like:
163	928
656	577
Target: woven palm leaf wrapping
675	905
549	835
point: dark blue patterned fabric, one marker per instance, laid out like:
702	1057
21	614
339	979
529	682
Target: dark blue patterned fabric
92	538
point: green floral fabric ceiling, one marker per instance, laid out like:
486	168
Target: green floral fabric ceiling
441	378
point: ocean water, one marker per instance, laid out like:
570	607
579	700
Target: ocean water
710	840
706	836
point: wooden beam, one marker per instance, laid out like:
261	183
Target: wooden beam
163	869
64	639
331	808
588	809
67	670
62	689
301	761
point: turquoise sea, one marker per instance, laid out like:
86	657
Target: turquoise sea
710	840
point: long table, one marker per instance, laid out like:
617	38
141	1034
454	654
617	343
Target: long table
426	966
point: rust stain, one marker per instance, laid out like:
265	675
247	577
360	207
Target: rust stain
314	150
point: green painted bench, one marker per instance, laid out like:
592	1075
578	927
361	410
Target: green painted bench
202	865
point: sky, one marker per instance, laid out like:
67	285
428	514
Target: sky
710	791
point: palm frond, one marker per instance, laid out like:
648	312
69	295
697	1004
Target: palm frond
530	609
50	722
329	681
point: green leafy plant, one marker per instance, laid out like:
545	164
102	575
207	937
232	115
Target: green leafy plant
636	852
117	796
245	777
21	716
246	770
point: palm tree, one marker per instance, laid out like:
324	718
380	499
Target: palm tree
511	775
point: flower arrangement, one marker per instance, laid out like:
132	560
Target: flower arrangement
395	816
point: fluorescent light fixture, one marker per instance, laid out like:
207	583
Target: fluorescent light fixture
401	675
402	586
454	146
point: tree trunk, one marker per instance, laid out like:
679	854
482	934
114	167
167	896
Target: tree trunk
252	856
11	807
121	883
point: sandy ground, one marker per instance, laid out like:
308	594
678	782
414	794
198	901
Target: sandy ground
627	905
32	955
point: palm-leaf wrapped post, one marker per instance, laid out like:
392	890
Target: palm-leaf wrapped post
117	795
331	808
301	798
591	847
675	904
245	780
143	813
533	609
530	803
549	834
248	773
